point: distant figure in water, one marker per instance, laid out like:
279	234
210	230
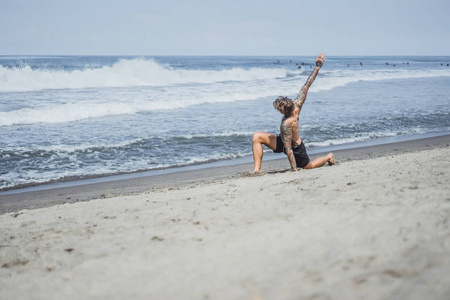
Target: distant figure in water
360	64
289	141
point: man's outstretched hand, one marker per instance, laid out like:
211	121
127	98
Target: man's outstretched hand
320	60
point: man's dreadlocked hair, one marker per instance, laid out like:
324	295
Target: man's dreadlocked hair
284	105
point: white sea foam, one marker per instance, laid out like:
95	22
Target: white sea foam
162	90
339	78
64	113
349	140
60	149
124	73
365	137
217	134
133	102
71	148
147	72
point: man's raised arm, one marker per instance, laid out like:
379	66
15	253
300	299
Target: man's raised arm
301	97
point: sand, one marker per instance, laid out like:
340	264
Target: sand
375	228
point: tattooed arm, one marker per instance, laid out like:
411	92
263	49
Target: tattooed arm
301	97
286	134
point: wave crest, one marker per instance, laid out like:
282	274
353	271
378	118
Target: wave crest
124	73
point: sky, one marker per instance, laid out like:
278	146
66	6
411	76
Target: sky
224	27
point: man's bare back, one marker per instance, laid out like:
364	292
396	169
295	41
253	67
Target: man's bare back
289	135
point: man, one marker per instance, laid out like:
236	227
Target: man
289	140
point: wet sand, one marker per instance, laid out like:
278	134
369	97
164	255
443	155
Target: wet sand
135	186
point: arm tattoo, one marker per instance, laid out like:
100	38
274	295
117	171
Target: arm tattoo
301	97
286	134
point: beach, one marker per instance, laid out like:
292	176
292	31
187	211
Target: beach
68	118
374	226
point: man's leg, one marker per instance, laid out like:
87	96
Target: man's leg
320	161
259	139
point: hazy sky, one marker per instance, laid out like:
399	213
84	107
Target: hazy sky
225	27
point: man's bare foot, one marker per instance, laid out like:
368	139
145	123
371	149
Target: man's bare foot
331	160
256	171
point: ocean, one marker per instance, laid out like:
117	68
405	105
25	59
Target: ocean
65	118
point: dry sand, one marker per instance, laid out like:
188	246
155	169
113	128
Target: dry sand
364	229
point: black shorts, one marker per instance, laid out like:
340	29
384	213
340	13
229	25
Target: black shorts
301	157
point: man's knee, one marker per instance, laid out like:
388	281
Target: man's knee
257	137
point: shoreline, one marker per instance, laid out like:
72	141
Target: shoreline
133	184
375	226
268	155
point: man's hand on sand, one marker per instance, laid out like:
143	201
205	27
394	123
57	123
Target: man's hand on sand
320	60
